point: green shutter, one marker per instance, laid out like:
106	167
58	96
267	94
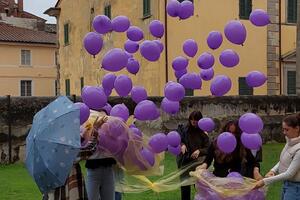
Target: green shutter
245	8
66	34
146	8
291	82
107	11
68	87
244	89
189	92
292	11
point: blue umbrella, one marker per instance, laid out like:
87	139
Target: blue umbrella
53	143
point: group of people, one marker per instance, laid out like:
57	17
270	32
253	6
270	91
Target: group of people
196	147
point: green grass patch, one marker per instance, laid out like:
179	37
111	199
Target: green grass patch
16	183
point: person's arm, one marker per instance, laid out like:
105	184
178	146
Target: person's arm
210	155
289	173
204	150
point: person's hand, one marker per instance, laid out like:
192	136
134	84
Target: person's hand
183	149
195	154
269	174
99	121
257	176
202	166
259	184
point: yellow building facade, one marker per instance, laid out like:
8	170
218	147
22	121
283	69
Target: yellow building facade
261	51
27	62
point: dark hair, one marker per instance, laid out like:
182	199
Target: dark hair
195	115
236	124
292	120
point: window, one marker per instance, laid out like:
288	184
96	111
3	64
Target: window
146	8
56	87
26	88
244	89
245	9
56	58
189	92
26	57
292	11
107	11
291	82
68	92
66	34
81	83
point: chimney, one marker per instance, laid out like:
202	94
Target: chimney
11	4
20	5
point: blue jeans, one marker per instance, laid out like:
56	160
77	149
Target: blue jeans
290	191
100	183
118	196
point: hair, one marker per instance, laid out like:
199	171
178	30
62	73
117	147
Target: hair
240	149
292	120
195	115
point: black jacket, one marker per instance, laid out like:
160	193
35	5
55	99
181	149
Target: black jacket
193	141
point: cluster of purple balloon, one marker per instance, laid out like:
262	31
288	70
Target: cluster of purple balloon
160	142
183	10
251	125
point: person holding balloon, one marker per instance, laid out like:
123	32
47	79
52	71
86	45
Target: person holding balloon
288	167
234	157
194	146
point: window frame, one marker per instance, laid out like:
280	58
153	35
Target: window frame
245	91
30	57
26	87
245	9
67	34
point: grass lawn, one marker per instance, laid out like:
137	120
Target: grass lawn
16	183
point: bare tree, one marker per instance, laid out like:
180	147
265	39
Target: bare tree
298	50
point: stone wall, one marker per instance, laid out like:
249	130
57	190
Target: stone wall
271	108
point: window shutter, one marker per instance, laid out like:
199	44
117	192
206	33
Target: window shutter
291	82
244	89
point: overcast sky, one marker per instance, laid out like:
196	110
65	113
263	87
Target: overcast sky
38	7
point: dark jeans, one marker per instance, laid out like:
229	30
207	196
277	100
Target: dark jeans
118	196
186	192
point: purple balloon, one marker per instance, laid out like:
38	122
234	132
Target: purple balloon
174	91
160	45
148	156
186	9
207	74
206	60
146	110
170	107
259	17
156	28
235	32
107	108
138	94
121	111
135	33
180	73
251	123
190	47
93	97
120	23
108	81
174	150
229	58
158	142
150	50
206	124
84	112
114	60
174	138
214	40
173	8
123	85
131	46
220	85
180	63
107	92
93	43
136	131
255	79
226	142
133	66
235	175
251	141
102	24
191	81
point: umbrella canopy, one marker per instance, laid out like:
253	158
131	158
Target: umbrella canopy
53	143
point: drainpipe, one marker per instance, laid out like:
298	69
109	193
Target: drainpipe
166	42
